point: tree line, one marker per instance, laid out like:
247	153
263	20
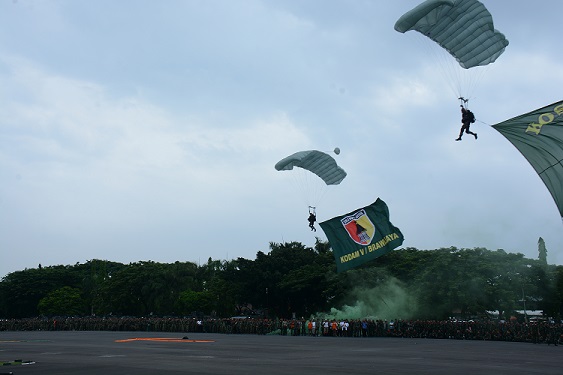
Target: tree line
293	280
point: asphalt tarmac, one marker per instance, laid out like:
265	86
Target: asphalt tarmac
138	353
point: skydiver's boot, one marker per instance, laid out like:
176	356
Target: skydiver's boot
458	139
475	134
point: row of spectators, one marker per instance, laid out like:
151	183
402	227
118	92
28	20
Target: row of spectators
535	332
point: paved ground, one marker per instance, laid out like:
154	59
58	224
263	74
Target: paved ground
88	353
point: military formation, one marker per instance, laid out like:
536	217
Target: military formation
548	332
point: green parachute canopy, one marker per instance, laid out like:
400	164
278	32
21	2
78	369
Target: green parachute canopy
317	162
462	27
538	135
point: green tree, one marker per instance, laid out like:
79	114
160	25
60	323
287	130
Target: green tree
557	298
65	301
290	279
147	287
94	274
219	279
22	290
190	302
542	250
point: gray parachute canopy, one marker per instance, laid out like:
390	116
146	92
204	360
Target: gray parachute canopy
462	27
317	162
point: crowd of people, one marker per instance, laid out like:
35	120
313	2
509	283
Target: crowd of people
548	332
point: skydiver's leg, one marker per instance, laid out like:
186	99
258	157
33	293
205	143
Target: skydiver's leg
464	128
470	132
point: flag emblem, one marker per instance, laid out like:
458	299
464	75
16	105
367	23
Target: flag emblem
359	227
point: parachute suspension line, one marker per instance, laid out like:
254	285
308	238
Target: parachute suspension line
462	82
300	182
443	60
473	78
317	189
311	188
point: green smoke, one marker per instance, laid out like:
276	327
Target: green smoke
388	300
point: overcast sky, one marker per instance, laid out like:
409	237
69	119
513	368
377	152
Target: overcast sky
148	130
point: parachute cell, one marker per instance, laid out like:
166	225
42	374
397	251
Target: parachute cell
462	27
317	162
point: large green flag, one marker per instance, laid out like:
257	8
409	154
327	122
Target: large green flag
538	135
361	235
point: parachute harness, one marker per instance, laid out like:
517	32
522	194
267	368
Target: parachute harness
463	102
